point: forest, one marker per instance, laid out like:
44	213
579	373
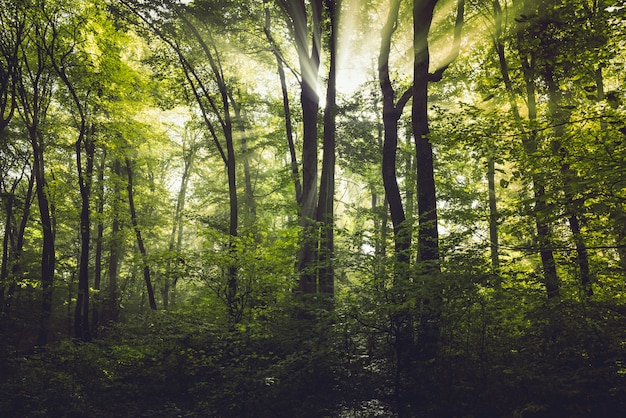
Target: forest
313	208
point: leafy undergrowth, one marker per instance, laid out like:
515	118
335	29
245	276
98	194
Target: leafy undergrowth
181	365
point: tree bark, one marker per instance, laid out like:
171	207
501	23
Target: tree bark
48	258
115	249
81	314
140	243
309	67
325	209
84	144
97	277
493	214
280	62
176	236
9	203
33	92
401	320
391	115
569	179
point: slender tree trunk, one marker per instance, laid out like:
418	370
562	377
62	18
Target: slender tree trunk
232	296
6	243
401	321
176	235
97	278
112	305
569	180
309	67
551	279
493	214
286	108
249	201
410	183
325	209
81	314
427	236
48	259
427	233
391	116
16	258
529	142
140	243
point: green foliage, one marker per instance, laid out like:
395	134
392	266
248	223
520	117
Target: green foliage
503	349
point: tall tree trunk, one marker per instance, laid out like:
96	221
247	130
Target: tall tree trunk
48	258
401	321
427	233
9	198
16	258
112	306
34	89
140	243
84	144
410	183
97	277
391	116
176	236
81	314
234	307
234	300
569	180
249	201
544	240
309	67
286	108
325	209
529	142
493	214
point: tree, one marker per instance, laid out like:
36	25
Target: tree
35	82
140	242
190	145
280	63
309	61
73	71
326	201
530	145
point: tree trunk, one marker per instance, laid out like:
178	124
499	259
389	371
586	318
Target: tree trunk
176	235
140	243
551	280
569	181
391	115
325	209
233	299
97	277
427	234
48	259
16	258
529	142
493	214
81	314
8	226
401	320
112	306
309	68
286	108
249	201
